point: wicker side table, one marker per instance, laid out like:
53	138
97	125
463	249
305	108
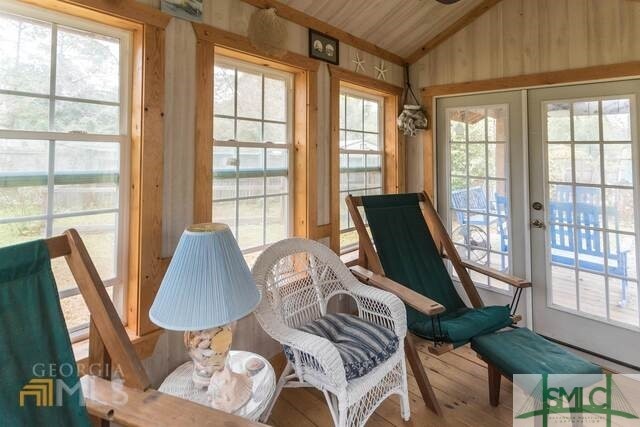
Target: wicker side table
179	384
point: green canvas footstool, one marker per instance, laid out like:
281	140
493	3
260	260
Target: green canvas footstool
521	351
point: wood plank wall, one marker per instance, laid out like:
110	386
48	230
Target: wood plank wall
518	37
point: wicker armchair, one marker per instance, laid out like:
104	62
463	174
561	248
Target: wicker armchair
297	278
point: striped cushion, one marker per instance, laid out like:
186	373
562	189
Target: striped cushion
362	345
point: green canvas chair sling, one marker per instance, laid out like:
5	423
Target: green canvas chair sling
36	362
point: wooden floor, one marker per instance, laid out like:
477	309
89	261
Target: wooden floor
460	382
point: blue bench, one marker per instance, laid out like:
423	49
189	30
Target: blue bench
588	242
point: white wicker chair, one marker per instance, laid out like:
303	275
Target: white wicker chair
297	278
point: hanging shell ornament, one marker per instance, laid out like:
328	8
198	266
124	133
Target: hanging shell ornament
268	32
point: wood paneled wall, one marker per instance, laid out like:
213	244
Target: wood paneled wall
518	37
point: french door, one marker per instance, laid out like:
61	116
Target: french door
583	153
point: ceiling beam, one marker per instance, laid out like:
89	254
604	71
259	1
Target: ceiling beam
301	18
465	20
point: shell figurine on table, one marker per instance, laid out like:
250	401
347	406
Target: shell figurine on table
229	391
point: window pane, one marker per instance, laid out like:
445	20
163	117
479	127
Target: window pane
25	51
373	160
618	169
87	176
18	232
24	113
559	162
345	219
374	179
558	122
275	132
497	160
98	233
87	65
249	131
587	163
250	223
225	212
23	178
585	121
86	117
225	162
457	126
619	209
277	215
616	120
496	124
223	129
354	140
622	255
623	301
224	90
477	160
561	203
354	113
343	111
458	159
277	171
372	141
249	95
592	294
475	122
371	116
251	172
275	100
563	287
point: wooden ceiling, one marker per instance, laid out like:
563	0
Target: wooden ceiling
401	27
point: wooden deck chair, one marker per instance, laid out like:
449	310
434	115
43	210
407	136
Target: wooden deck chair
407	260
40	384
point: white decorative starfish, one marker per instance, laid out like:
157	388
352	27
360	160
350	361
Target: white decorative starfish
381	71
359	62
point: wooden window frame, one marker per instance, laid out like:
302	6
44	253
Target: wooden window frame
146	267
393	140
212	41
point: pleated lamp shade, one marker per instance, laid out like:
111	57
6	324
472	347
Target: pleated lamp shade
208	282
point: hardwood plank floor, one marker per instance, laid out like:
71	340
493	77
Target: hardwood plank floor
460	383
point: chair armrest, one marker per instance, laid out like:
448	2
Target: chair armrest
114	402
380	307
410	297
514	281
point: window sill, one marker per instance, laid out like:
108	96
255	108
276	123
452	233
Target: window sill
143	346
350	258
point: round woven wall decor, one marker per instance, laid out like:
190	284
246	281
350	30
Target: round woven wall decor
268	32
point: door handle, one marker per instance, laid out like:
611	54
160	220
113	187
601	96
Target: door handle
538	224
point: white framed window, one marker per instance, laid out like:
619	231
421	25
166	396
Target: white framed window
252	153
361	154
65	141
478	183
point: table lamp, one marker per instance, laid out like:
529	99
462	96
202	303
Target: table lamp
207	287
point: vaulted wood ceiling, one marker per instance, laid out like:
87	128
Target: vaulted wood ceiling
399	26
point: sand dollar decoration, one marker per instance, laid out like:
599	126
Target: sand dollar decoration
268	32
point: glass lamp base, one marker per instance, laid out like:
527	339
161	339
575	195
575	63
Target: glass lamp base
209	349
